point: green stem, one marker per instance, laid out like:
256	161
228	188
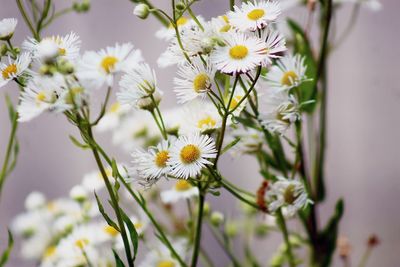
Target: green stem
238	196
231	4
197	239
144	208
114	200
11	141
156	14
365	257
224	246
282	224
27	20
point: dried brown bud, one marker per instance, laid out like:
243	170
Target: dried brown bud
373	241
260	196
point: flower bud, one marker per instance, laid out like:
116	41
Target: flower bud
35	200
180	6
147	103
206	209
3	50
78	193
231	229
65	67
141	11
216	218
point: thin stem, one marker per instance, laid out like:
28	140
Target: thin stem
238	196
321	71
103	108
224	246
144	208
365	257
156	14
11	141
197	238
114	201
282	224
195	18
27	20
57	15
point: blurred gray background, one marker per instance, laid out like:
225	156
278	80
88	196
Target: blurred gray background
363	149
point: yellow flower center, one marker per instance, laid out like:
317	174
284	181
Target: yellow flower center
115	107
200	82
41	96
165	263
238	52
161	158
225	28
50	251
288	195
190	153
138	225
289	78
225	18
9	71
207	121
111	230
61	51
256	14
108	63
81	243
181	21
182	185
235	101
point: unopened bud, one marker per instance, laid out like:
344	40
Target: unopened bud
65	66
180	6
3	50
78	193
231	229
217	218
141	11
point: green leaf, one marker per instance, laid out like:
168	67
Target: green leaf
11	109
77	143
6	253
118	261
105	216
132	233
302	46
230	145
330	233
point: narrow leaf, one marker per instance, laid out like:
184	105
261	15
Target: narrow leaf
6	253
118	261
105	216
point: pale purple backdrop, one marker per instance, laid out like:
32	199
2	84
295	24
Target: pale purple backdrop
363	124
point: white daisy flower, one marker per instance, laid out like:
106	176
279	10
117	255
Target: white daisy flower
14	68
137	87
68	46
98	68
289	72
221	25
288	194
254	15
282	111
168	33
241	53
160	256
200	116
41	94
138	130
93	181
7	28
194	80
182	190
276	45
112	117
35	200
152	164
190	154
251	140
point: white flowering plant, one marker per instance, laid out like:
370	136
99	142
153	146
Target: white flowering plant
242	87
